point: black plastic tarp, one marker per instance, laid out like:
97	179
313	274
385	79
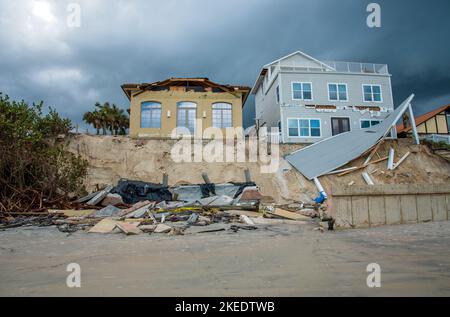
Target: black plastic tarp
135	191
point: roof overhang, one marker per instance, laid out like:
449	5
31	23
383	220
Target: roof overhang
132	90
259	80
266	67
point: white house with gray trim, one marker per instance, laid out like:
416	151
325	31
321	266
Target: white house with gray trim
311	100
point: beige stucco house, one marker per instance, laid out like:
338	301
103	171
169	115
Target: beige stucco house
156	109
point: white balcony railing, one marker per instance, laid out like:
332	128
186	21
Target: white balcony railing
365	68
341	67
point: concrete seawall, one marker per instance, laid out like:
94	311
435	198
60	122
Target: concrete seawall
370	206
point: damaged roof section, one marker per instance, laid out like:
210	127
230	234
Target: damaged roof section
327	155
196	84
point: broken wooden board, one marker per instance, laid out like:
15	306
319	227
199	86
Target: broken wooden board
107	225
374	151
287	214
76	221
128	228
401	160
363	166
73	213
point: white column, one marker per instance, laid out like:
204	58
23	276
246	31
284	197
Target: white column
412	121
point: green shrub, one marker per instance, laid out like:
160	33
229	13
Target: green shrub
36	171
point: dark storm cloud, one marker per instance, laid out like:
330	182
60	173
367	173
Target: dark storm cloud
227	41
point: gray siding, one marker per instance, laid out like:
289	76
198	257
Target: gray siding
266	106
354	88
298	67
325	121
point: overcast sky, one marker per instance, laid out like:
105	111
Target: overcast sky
126	41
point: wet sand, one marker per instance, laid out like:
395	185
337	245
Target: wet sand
273	261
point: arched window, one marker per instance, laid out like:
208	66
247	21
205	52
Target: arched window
151	115
186	115
222	115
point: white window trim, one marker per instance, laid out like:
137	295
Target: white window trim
372	85
337	87
302	82
361	120
298	127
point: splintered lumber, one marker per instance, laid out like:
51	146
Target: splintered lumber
287	214
373	152
73	213
343	170
367	178
363	166
401	160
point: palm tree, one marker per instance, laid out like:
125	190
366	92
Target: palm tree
103	113
94	118
124	123
119	119
107	117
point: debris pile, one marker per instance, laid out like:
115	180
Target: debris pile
136	207
314	161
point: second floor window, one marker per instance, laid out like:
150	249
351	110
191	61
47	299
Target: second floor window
301	91
372	93
151	115
278	94
337	92
222	115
